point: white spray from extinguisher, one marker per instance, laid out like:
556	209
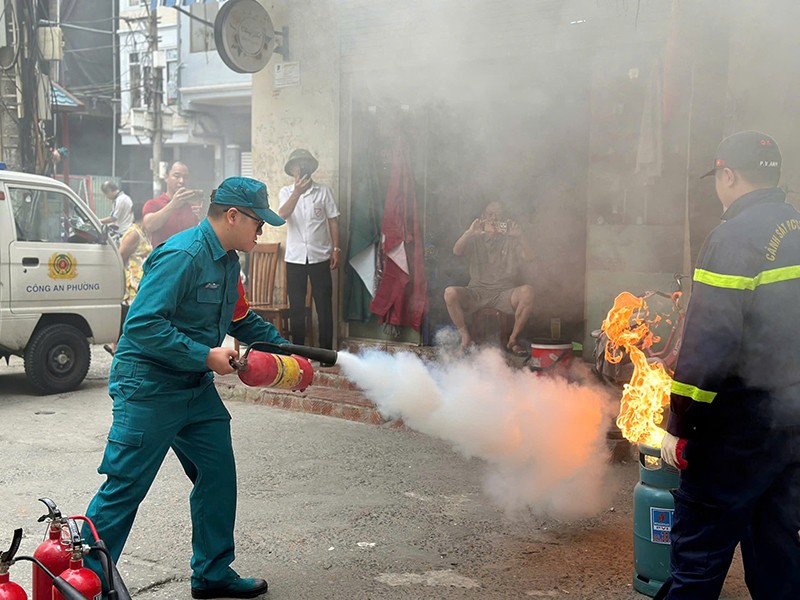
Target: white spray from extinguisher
543	438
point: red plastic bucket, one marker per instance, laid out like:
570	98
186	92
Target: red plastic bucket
548	355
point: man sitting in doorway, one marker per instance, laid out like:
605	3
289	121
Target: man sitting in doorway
497	253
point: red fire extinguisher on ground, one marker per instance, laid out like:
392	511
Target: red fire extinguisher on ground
82	579
12	591
8	589
53	552
117	590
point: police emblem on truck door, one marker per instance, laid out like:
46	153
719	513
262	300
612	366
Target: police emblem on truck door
62	265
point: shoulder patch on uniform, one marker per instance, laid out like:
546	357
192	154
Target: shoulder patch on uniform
194	248
242	306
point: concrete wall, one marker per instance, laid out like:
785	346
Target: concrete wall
509	78
732	66
634	235
301	116
764	78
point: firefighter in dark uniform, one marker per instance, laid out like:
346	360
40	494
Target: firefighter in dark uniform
162	385
735	403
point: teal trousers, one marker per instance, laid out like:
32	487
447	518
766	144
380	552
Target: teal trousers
154	410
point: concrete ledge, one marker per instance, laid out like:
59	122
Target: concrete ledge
341	402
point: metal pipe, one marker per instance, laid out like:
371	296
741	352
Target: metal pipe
114	99
70	26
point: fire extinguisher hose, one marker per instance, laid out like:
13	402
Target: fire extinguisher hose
117	588
88	521
323	355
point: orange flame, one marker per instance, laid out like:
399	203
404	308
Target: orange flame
645	396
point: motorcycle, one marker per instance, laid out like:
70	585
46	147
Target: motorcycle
664	316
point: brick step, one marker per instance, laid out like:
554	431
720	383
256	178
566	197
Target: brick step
343	403
331	394
331	377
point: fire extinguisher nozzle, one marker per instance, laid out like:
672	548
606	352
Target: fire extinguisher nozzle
323	355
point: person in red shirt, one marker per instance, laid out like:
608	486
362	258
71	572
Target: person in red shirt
174	210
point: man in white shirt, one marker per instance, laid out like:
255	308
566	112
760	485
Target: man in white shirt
312	246
122	208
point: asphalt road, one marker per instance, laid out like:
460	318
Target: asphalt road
327	509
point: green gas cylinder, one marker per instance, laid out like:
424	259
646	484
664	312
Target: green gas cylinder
653	508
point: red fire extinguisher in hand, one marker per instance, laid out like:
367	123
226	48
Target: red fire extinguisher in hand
282	366
53	552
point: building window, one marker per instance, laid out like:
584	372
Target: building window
135	78
201	36
171	91
139	77
132	3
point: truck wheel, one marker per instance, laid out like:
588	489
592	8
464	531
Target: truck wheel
57	359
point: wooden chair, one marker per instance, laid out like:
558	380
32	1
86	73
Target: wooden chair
261	277
261	286
483	320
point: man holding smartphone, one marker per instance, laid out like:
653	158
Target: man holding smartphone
497	253
174	210
312	246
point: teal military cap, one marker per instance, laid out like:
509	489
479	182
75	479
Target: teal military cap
247	193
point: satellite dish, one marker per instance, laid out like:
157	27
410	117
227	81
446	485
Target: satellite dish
244	35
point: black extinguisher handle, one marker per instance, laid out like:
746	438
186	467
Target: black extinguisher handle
75	535
7	557
52	510
323	355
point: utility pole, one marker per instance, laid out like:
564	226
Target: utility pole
156	100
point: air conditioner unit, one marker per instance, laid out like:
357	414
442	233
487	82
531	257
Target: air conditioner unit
140	121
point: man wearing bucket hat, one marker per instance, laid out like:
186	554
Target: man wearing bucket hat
312	245
162	384
734	425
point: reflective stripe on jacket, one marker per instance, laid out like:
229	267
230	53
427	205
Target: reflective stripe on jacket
739	363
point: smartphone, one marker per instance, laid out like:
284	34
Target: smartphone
197	202
495	227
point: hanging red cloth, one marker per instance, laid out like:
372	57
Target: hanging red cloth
401	297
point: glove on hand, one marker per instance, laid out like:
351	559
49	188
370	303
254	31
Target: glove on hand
672	451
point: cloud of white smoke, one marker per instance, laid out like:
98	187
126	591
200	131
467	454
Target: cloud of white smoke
543	438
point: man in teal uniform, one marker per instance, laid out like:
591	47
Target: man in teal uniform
162	384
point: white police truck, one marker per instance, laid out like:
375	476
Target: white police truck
61	281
